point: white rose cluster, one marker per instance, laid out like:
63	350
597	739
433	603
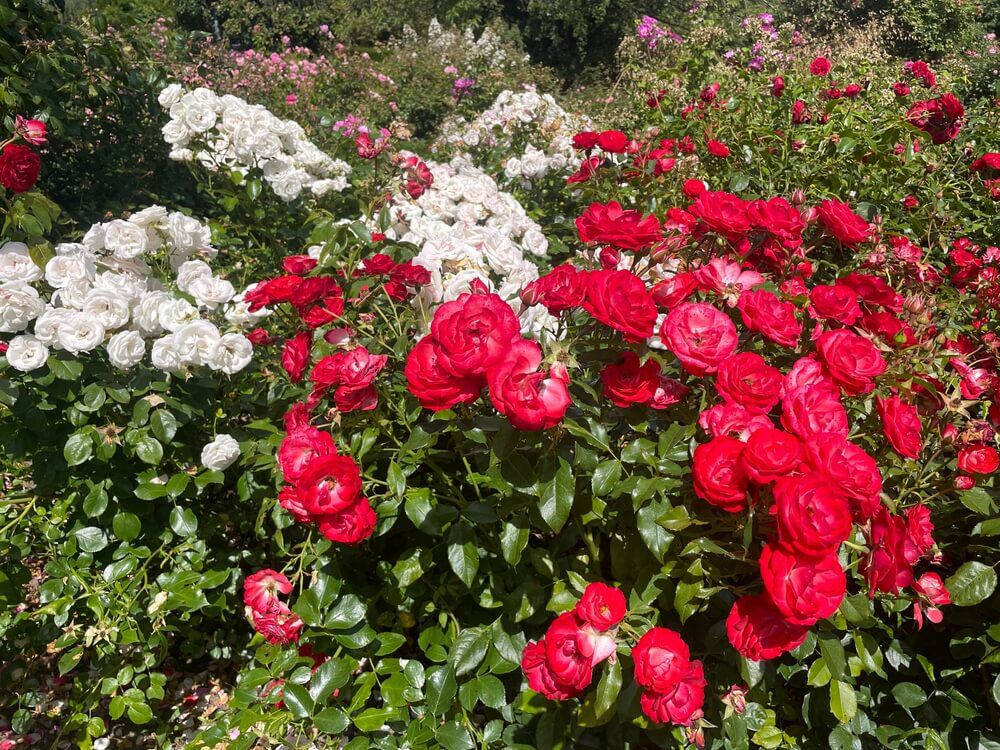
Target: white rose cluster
531	127
469	230
226	131
104	292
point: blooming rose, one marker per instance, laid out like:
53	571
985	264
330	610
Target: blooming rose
758	630
850	469
888	567
682	703
601	605
32	131
719	475
813	409
661	659
562	288
771	454
732	420
126	349
619	299
727	278
820	66
353	524
295	355
900	425
610	224
813	516
843	223
278	628
473	333
873	290
126	240
978	459
764	312
329	484
806	590
835	302
530	400
717	148
628	382
671	292
746	379
219	454
612	141
19	167
700	336
434	386
300	447
261	591
351	374
668	392
540	676
567	653
26	353
722	212
852	360
931	589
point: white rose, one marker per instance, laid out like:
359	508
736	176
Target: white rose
93	240
187	233
461	282
177	134
19	305
170	95
26	353
128	284
181	154
233	352
65	269
80	332
16	263
200	117
512	168
146	314
212	291
125	239
534	242
502	254
174	312
164	354
109	308
196	342
190	271
220	454
126	349
47	324
73	293
149	217
288	184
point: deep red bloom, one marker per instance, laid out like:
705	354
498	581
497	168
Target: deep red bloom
433	385
850	469
610	224
843	223
262	589
758	630
612	141
619	299
835	302
852	360
763	311
805	589
940	118
771	454
978	459
562	288
820	66
473	333
661	659
700	336
901	425
813	409
352	525
602	606
717	148
719	475
19	167
889	565
749	381
813	516
531	400
627	382
295	355
329	484
682	703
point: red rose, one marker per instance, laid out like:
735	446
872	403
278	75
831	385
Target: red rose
434	387
700	336
890	329
732	420
613	141
931	590
771	454
562	288
610	224
717	149
619	299
300	447
661	659
262	589
668	392
805	590
587	169
692	188
563	653
32	131
298	264
295	355
978	459
843	223
329	484
873	290
352	525
940	118
682	703
259	337
19	167
530	400
747	380
628	382
718	473
758	630
813	409
602	606
800	115
813	516
850	469
988	162
777	86
806	371
835	302
900	425
779	218
671	292
278	628
852	90
888	567
473	333
314	289
541	678
920	528
852	360
722	212
378	265
585	140
820	66
764	312
352	374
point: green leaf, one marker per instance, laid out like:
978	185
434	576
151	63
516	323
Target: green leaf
513	540
555	493
440	689
347	613
331	674
490	691
843	701
469	649
908	695
126	526
79	448
599	705
65	369
183	521
70	659
656	537
140	713
90	539
606	476
453	736
164	425
463	556
297	700
833	654
331	720
372	719
971	584
995	691
96	501
149	450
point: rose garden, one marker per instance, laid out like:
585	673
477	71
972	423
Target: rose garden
509	380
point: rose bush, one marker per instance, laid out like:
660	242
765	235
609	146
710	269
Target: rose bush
708	459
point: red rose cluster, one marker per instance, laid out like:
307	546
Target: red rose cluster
941	118
475	342
322	486
270	616
20	164
673	684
